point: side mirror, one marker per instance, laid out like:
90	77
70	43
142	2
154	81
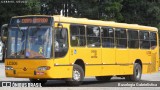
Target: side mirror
4	32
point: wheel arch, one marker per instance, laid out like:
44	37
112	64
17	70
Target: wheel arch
139	61
81	63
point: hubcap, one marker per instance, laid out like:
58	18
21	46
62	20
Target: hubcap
76	75
137	73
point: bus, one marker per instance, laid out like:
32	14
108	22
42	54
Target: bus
44	47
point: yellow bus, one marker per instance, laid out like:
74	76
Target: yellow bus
42	47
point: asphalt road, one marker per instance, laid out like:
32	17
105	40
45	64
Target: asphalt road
148	81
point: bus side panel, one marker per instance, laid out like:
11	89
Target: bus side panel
93	70
154	66
145	68
62	72
122	56
94	62
117	70
133	55
92	65
137	54
62	67
108	56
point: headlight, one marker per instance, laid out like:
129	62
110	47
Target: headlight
43	68
8	68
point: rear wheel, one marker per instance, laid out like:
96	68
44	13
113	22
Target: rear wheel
103	78
42	81
77	76
137	73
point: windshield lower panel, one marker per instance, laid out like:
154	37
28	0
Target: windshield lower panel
29	42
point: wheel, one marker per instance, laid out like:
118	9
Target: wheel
77	76
137	73
103	78
42	81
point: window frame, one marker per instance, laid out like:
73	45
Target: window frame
144	40
106	27
153	47
138	39
54	35
93	36
116	42
78	35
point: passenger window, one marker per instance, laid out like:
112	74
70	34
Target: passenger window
153	39
133	40
93	36
61	42
107	37
144	40
121	38
77	35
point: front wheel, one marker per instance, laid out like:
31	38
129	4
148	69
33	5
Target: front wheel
77	76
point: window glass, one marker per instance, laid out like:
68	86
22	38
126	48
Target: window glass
107	37
61	42
30	42
93	36
153	39
39	42
144	40
121	38
133	41
77	35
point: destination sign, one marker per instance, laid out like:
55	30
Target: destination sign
35	20
31	20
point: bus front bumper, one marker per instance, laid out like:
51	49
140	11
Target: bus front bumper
36	69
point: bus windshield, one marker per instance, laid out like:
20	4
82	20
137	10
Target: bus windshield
29	42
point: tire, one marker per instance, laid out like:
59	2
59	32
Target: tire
77	76
42	81
103	78
137	73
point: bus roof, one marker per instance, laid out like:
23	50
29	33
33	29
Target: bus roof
85	21
32	16
102	23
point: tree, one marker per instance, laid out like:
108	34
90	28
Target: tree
9	10
145	12
112	10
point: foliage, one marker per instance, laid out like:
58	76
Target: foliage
144	12
8	10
